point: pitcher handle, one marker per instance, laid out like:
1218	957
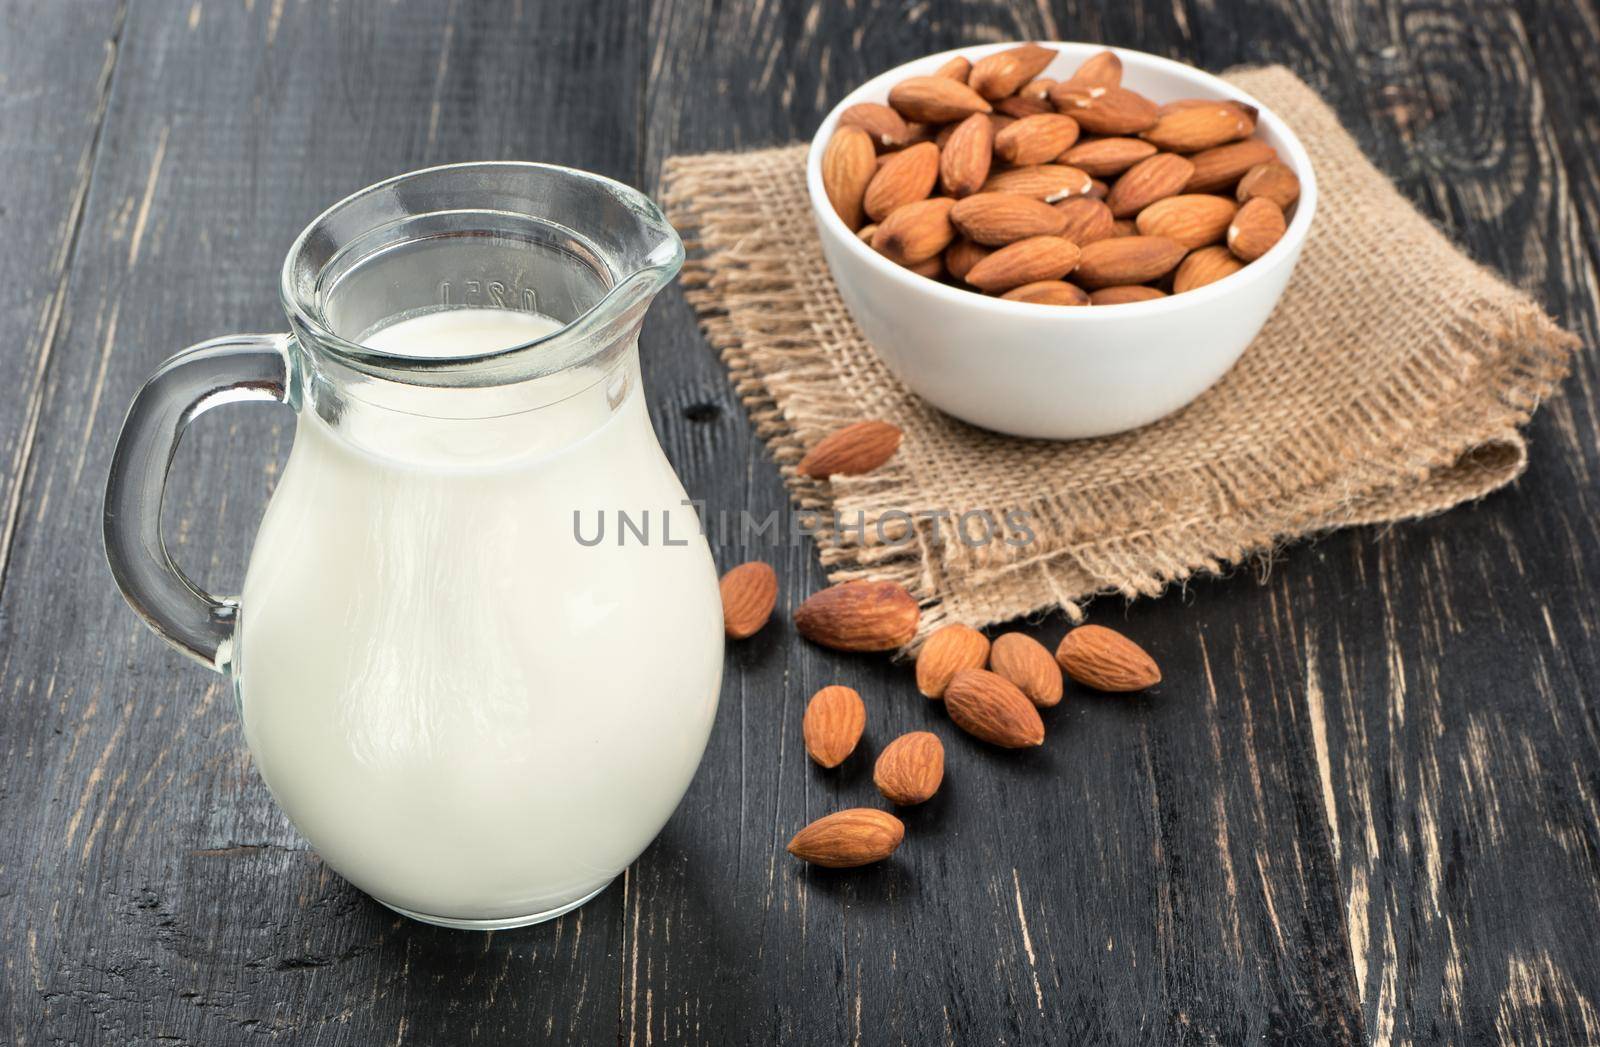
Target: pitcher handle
224	370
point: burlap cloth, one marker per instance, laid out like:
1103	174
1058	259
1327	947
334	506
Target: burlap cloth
1388	385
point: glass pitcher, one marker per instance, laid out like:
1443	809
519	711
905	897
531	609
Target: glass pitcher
479	645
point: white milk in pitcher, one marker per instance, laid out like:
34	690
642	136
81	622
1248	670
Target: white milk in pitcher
467	711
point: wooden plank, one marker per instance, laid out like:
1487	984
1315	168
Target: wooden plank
1161	870
151	888
55	78
1448	666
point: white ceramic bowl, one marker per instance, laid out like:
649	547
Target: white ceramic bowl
1049	371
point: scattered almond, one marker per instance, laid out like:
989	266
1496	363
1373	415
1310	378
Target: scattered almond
964	160
1147	181
1205	266
1256	228
997	75
916	232
910	769
1036	139
907	176
1106	660
834	720
988	706
850	838
859	616
749	593
1127	260
1192	219
950	649
1025	261
1271	180
1025	662
936	99
995	219
848	166
858	448
1048	292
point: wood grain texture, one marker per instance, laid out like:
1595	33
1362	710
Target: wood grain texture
1361	808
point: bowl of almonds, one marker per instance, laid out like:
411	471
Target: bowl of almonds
1058	240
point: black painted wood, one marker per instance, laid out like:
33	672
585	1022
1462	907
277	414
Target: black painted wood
1362	808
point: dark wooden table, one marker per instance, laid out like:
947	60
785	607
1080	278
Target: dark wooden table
1365	805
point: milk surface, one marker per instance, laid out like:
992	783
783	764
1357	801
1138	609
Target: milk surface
468	713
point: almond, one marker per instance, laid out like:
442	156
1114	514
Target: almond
1122	293
848	165
866	233
859	616
1105	157
883	125
1205	266
1127	260
1250	112
1104	110
916	232
910	768
1026	261
858	448
905	178
1098	189
949	650
1192	129
1106	660
1048	292
1256	228
988	706
996	219
932	268
1147	181
962	255
1101	70
1036	139
1002	73
1192	219
1088	219
1039	87
1018	107
1271	180
1223	165
834	720
1025	662
1124	227
957	68
749	593
964	160
850	838
1047	182
936	99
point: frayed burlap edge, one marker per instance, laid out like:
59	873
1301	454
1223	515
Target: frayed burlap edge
1452	439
